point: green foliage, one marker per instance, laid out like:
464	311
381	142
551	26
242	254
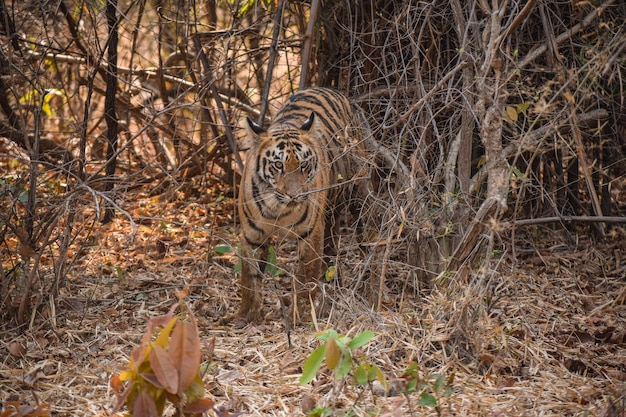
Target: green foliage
248	5
338	352
223	249
270	266
11	189
430	388
164	367
331	273
321	412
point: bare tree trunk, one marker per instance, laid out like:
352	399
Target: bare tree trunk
109	106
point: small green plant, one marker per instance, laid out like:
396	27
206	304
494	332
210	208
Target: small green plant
338	352
271	267
331	273
164	367
431	387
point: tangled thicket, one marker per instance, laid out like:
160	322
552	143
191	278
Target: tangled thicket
508	111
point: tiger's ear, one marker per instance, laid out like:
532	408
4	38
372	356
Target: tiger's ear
306	126
253	135
255	127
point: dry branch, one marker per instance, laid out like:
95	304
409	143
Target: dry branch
278	20
561	219
540	49
584	165
420	103
308	40
530	141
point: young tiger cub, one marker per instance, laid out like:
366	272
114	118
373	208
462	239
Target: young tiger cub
298	174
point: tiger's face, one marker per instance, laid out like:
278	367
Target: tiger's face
286	164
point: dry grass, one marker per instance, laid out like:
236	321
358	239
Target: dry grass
541	336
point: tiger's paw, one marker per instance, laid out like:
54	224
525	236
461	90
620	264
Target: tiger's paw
242	319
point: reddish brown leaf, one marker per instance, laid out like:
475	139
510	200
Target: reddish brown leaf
569	97
200	406
183	293
210	348
144	406
164	369
121	396
307	403
185	353
116	385
152	378
17	349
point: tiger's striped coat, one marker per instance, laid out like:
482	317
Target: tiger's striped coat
297	175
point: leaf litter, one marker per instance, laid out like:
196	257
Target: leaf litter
544	334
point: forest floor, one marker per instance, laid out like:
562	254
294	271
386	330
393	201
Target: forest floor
549	341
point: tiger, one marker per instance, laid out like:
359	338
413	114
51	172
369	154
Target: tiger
298	174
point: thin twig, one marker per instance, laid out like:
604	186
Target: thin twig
540	49
562	219
428	95
220	106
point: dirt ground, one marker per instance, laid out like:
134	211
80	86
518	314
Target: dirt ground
542	333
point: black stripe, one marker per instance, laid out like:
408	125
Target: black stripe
284	213
252	243
256	196
252	224
304	216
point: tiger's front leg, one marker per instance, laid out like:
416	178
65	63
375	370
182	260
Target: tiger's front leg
252	267
308	273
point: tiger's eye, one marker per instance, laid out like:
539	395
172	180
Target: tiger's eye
278	165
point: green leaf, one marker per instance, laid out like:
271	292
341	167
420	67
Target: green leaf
361	339
410	387
245	8
323	336
223	249
345	364
521	108
439	381
381	378
330	274
517	173
270	266
361	375
312	365
412	370
427	399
